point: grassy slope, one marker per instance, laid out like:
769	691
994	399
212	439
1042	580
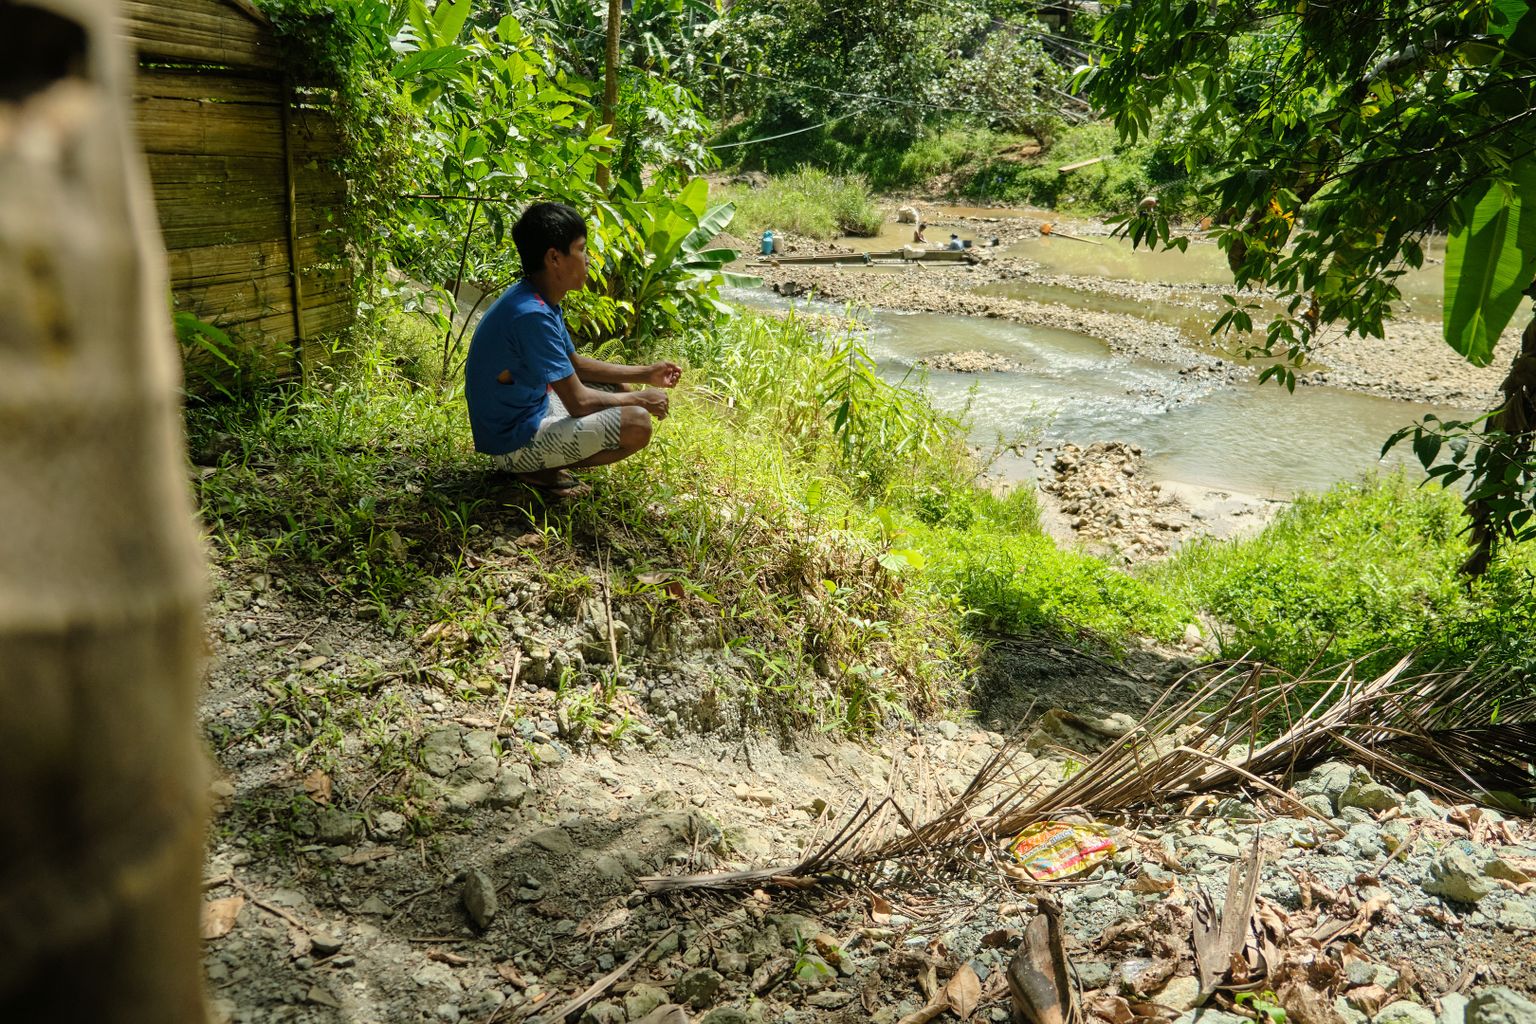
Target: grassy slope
807	201
1364	571
823	524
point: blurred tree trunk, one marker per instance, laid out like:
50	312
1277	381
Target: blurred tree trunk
101	817
611	79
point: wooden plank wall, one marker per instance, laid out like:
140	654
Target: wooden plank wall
227	146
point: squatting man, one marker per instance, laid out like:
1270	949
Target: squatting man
535	406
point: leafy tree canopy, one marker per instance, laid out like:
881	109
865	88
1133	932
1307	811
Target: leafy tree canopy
1338	136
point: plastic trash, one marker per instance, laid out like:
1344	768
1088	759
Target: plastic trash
1052	850
768	243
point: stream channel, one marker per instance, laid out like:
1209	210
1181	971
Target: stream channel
1065	387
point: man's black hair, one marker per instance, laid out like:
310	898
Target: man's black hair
544	226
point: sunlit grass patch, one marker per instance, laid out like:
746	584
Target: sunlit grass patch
807	201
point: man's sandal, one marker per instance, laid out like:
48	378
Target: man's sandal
562	487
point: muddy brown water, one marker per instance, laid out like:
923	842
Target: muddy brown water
1067	387
1423	288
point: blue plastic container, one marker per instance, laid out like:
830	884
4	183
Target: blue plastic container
768	243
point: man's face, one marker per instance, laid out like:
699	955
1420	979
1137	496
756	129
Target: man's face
568	270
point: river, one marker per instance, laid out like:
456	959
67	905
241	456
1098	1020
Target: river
1066	387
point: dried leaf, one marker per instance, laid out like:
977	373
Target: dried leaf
1219	937
1273	919
826	945
926	1014
1002	938
1039	975
219	916
357	857
442	956
928	981
879	910
1113	1009
1147	885
508	972
604	922
1120	932
1168	860
318	785
1369	998
1306	1005
963	992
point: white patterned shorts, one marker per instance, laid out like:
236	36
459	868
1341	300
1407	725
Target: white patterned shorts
563	439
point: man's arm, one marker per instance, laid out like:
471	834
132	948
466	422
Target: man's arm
595	371
580	400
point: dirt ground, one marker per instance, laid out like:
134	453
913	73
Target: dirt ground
397	842
398	838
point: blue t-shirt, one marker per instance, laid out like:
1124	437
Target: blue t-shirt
526	335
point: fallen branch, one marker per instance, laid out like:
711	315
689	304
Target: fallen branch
1431	730
517	664
601	985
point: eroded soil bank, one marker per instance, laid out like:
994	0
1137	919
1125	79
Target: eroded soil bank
397	841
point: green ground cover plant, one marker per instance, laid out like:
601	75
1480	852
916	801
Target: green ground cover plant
828	527
1366	570
824	524
806	201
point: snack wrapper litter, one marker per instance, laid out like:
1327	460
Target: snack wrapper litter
1053	850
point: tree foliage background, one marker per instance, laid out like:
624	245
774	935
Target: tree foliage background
1339	136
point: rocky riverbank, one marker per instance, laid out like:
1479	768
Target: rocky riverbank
1412	363
1103	497
399	840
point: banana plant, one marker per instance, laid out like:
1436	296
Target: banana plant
657	268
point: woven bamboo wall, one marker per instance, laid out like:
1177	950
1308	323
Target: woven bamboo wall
248	199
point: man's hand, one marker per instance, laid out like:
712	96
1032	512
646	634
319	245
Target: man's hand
653	402
663	375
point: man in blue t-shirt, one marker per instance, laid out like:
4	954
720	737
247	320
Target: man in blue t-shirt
535	405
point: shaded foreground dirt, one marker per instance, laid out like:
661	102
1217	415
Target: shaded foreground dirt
401	838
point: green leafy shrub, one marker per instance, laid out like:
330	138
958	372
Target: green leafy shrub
1022	583
1117	183
1362	568
656	272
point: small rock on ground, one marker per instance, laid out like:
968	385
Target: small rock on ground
1499	1005
480	898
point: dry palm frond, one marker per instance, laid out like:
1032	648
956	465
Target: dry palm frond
1470	738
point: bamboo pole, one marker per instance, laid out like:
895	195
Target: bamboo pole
610	81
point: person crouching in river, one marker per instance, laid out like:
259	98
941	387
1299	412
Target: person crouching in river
535	406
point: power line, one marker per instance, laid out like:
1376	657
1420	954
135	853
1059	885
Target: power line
785	135
873	97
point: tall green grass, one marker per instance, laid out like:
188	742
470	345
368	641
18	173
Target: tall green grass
1366	570
824	524
806	201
